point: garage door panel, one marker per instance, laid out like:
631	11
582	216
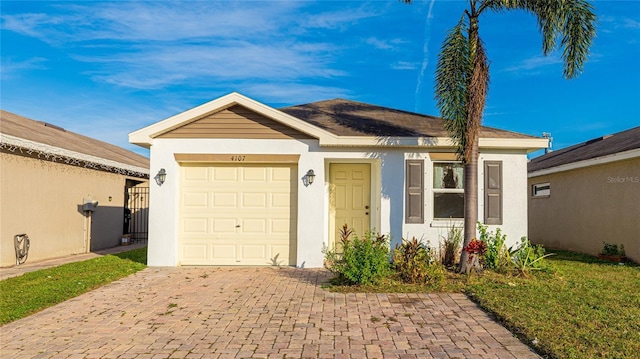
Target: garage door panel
196	173
195	225
194	251
255	253
222	199
281	226
255	225
225	225
225	174
258	200
257	174
282	174
196	199
224	252
240	214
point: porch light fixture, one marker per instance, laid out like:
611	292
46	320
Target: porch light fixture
161	177
310	176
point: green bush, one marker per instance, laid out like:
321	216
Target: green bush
497	255
363	261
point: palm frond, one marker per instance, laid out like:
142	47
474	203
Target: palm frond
452	76
570	21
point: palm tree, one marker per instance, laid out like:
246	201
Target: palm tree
462	77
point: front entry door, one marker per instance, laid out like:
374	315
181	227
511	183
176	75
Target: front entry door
350	199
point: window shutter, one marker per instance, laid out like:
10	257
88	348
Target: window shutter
414	192
493	192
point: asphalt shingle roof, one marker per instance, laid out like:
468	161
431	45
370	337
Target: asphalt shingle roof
41	132
350	118
597	147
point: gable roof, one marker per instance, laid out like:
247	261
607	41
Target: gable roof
28	136
626	143
345	123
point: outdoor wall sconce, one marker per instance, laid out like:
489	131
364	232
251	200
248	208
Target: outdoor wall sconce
161	177
310	176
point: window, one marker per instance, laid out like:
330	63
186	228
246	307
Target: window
448	190
541	190
414	192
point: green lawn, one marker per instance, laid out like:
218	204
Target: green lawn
32	292
585	308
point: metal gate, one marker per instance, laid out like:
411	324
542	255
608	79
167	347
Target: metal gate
136	213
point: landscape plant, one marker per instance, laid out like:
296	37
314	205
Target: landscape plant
497	257
362	261
609	249
475	251
450	247
527	257
411	261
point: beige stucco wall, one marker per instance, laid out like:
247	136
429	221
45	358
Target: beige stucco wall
588	206
42	199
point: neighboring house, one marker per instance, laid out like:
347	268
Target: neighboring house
587	194
48	179
247	184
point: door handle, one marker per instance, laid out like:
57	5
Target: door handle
366	213
237	226
366	207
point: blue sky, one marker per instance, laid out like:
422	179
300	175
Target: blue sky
104	69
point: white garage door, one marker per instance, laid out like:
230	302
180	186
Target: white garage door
234	214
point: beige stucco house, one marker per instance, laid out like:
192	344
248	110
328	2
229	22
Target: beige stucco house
50	179
248	184
587	194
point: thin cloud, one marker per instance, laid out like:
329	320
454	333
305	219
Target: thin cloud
11	68
405	65
384	44
158	67
340	19
534	63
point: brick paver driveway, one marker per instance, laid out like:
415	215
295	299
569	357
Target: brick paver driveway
255	313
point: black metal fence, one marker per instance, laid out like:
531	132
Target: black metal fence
136	214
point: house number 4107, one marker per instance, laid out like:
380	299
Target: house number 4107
237	158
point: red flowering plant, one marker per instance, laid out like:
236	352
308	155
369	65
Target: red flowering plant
476	250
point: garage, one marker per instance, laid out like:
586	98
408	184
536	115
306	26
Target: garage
237	213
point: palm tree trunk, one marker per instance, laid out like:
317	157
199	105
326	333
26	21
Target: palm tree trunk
476	100
470	206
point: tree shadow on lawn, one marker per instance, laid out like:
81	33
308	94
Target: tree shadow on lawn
137	255
560	255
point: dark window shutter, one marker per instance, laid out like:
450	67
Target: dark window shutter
414	192
493	192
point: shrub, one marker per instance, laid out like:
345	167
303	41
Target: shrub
497	255
411	261
612	249
527	257
450	247
362	261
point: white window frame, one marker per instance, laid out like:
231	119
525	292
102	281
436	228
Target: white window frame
541	190
435	190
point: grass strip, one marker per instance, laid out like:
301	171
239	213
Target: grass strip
34	291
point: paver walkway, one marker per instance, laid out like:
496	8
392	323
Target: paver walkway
221	312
